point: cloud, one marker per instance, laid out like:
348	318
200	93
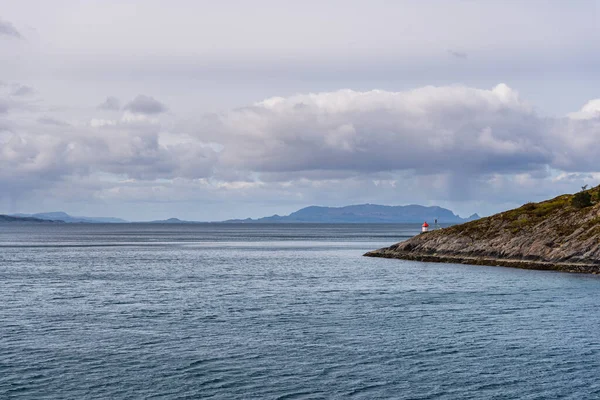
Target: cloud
458	54
426	130
146	105
14	96
429	131
8	29
453	144
41	152
99	123
591	110
45	120
448	143
111	104
22	90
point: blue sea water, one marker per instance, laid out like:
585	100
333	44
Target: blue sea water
280	312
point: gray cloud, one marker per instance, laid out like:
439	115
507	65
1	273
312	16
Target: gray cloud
428	131
425	130
458	54
17	98
52	121
448	144
143	104
8	29
22	90
453	144
111	104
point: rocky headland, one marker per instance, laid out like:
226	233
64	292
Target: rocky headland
562	234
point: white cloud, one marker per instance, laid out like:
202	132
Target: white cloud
591	110
99	122
427	130
447	145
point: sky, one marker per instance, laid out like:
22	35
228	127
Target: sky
206	110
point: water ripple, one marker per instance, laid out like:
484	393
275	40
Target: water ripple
280	312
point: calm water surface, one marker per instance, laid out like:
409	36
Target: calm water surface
280	312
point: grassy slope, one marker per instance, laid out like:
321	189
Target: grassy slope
551	231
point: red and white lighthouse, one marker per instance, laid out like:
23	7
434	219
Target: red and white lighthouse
424	227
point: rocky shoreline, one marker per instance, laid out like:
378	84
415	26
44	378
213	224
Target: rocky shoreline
488	261
554	235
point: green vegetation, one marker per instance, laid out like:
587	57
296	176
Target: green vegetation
533	212
582	199
547	207
530	215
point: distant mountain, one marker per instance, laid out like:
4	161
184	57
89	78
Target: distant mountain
170	221
362	213
62	216
9	218
365	213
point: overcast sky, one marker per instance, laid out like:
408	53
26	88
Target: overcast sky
210	110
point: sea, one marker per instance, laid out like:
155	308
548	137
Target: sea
251	311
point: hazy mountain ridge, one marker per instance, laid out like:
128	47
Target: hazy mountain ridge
63	216
361	213
10	218
365	213
170	221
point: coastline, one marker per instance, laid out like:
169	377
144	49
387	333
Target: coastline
582	268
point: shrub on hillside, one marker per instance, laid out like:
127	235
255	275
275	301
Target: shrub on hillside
581	200
529	206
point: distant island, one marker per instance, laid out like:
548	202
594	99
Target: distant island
169	221
64	217
364	213
10	218
561	234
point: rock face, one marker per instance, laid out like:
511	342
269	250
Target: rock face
551	235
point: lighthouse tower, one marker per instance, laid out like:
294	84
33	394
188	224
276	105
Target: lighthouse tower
424	227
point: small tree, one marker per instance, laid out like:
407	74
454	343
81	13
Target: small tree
581	200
